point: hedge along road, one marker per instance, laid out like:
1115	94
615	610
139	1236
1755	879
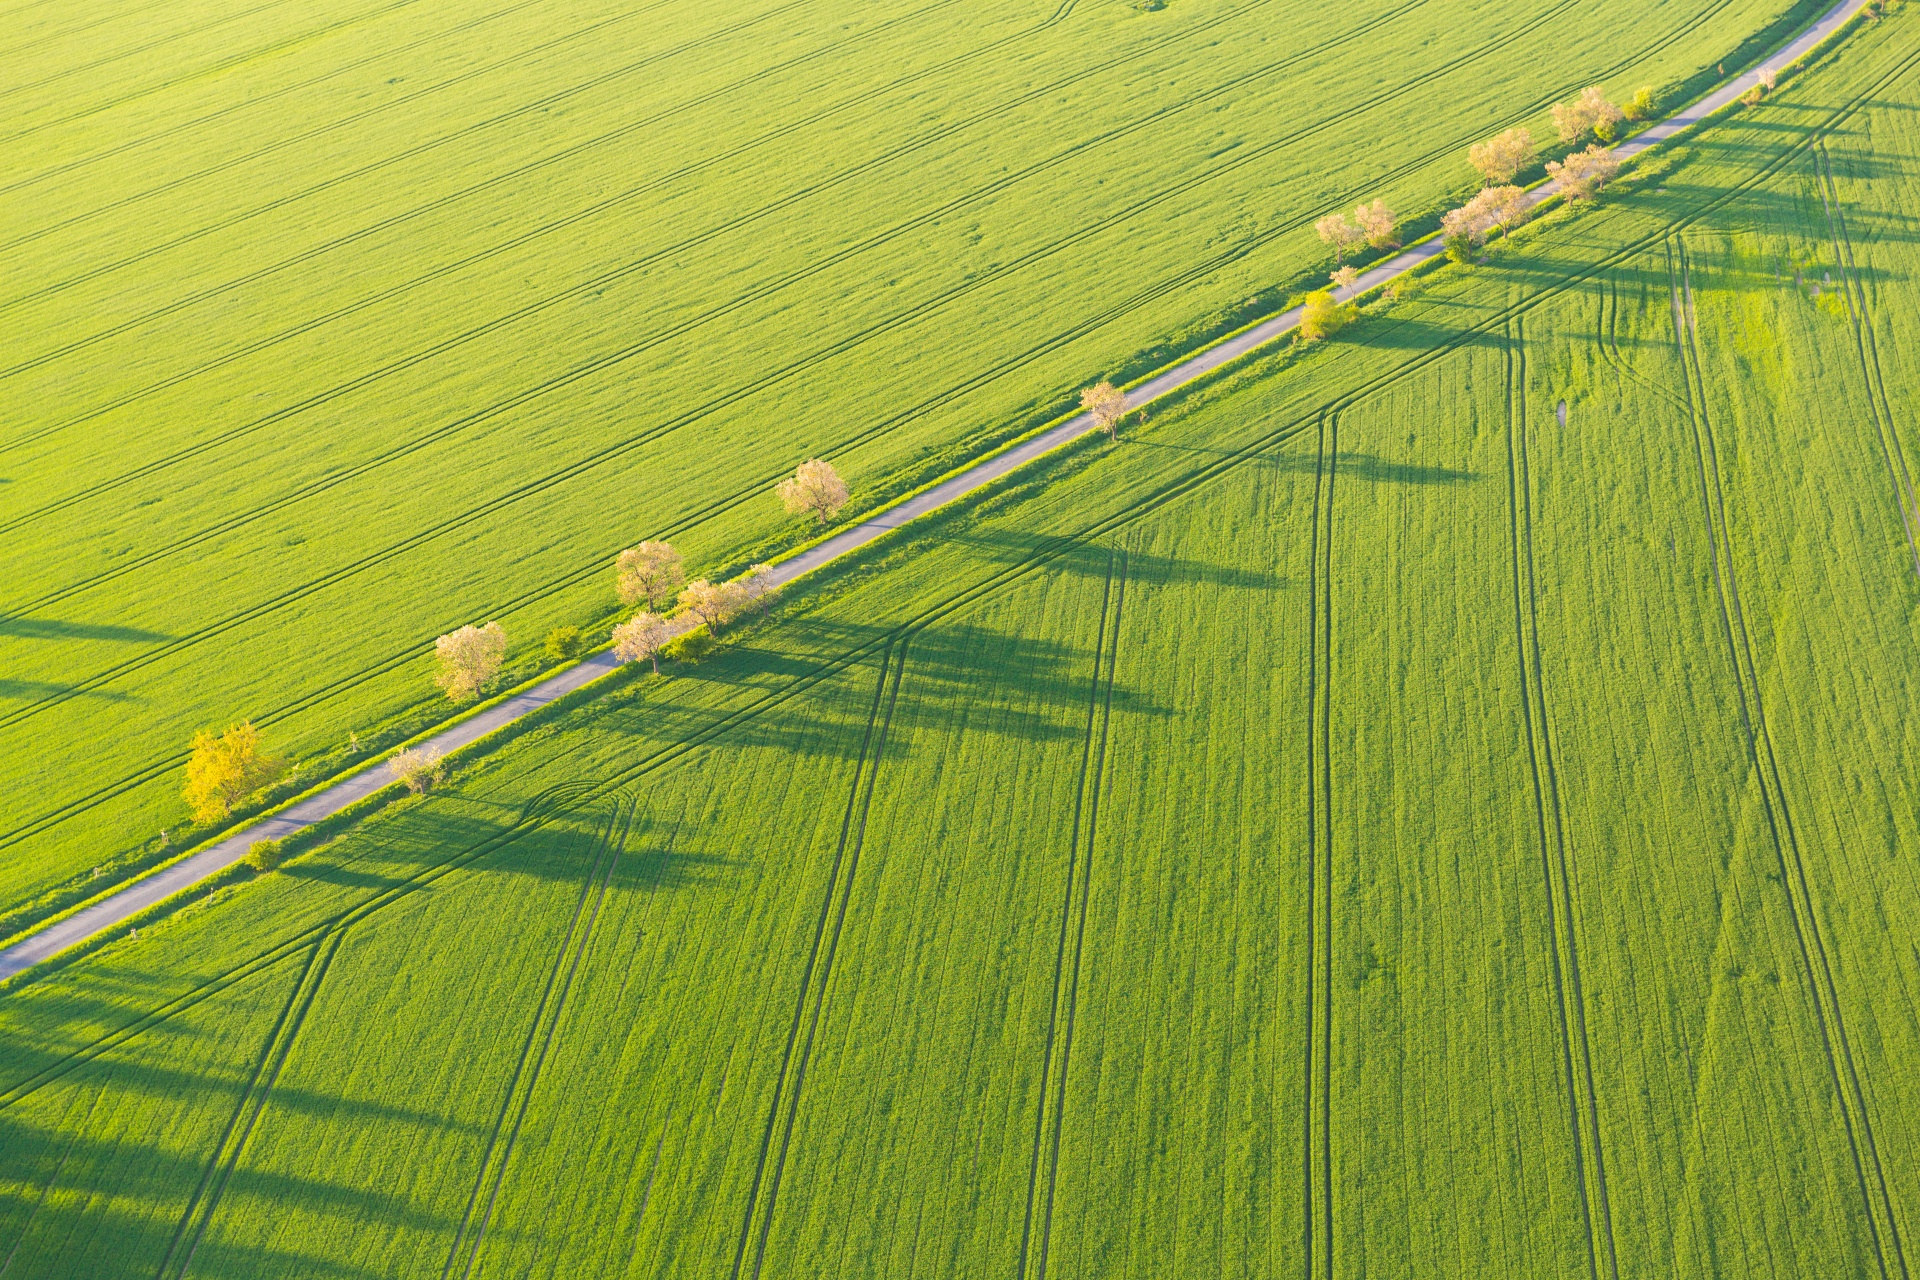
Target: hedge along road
117	908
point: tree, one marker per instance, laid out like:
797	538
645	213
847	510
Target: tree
649	574
1108	404
1376	222
563	643
420	767
1640	106
816	488
1507	206
714	603
641	638
1582	174
1502	156
760	586
1344	277
468	659
1590	110
1322	317
223	771
1341	234
1467	227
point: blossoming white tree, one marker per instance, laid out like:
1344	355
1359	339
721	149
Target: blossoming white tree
468	659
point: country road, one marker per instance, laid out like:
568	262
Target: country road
119	907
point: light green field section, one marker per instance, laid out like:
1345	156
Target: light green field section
328	329
1360	824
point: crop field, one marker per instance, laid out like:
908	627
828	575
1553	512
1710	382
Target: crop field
330	328
1433	805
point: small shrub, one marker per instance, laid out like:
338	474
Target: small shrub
1641	105
1460	247
563	643
691	647
1321	317
421	768
265	855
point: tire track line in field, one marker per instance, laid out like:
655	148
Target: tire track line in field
538	1047
12	15
540	809
592	210
26	86
820	958
592	285
1050	1114
203	73
1590	1170
1317	1130
536	813
1868	351
1802	909
407	153
192	1226
122	147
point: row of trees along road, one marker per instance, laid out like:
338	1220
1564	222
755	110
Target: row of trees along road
227	769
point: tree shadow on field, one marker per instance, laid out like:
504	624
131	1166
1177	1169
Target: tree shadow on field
34	690
55	629
1091	559
1367	466
1035	685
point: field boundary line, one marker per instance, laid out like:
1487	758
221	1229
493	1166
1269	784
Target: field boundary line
1556	872
1802	908
993	467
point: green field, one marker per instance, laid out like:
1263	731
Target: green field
1433	806
330	328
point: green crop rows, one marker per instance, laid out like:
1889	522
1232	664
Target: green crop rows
1433	806
330	328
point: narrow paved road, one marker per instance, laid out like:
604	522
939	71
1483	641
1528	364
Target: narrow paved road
137	897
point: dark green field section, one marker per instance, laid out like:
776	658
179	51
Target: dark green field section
327	329
1434	805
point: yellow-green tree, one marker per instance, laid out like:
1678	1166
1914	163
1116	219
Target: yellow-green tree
224	770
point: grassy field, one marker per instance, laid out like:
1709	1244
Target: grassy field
330	328
1430	806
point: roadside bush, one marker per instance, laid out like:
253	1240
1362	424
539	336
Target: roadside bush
691	647
563	643
421	768
265	855
1640	106
1321	317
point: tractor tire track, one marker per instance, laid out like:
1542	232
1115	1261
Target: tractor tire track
1316	1180
541	808
406	153
535	1051
1576	1054
597	283
192	1226
833	912
53	1179
121	148
589	211
1868	352
202	73
1066	978
1802	909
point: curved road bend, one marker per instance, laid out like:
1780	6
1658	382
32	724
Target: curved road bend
137	897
